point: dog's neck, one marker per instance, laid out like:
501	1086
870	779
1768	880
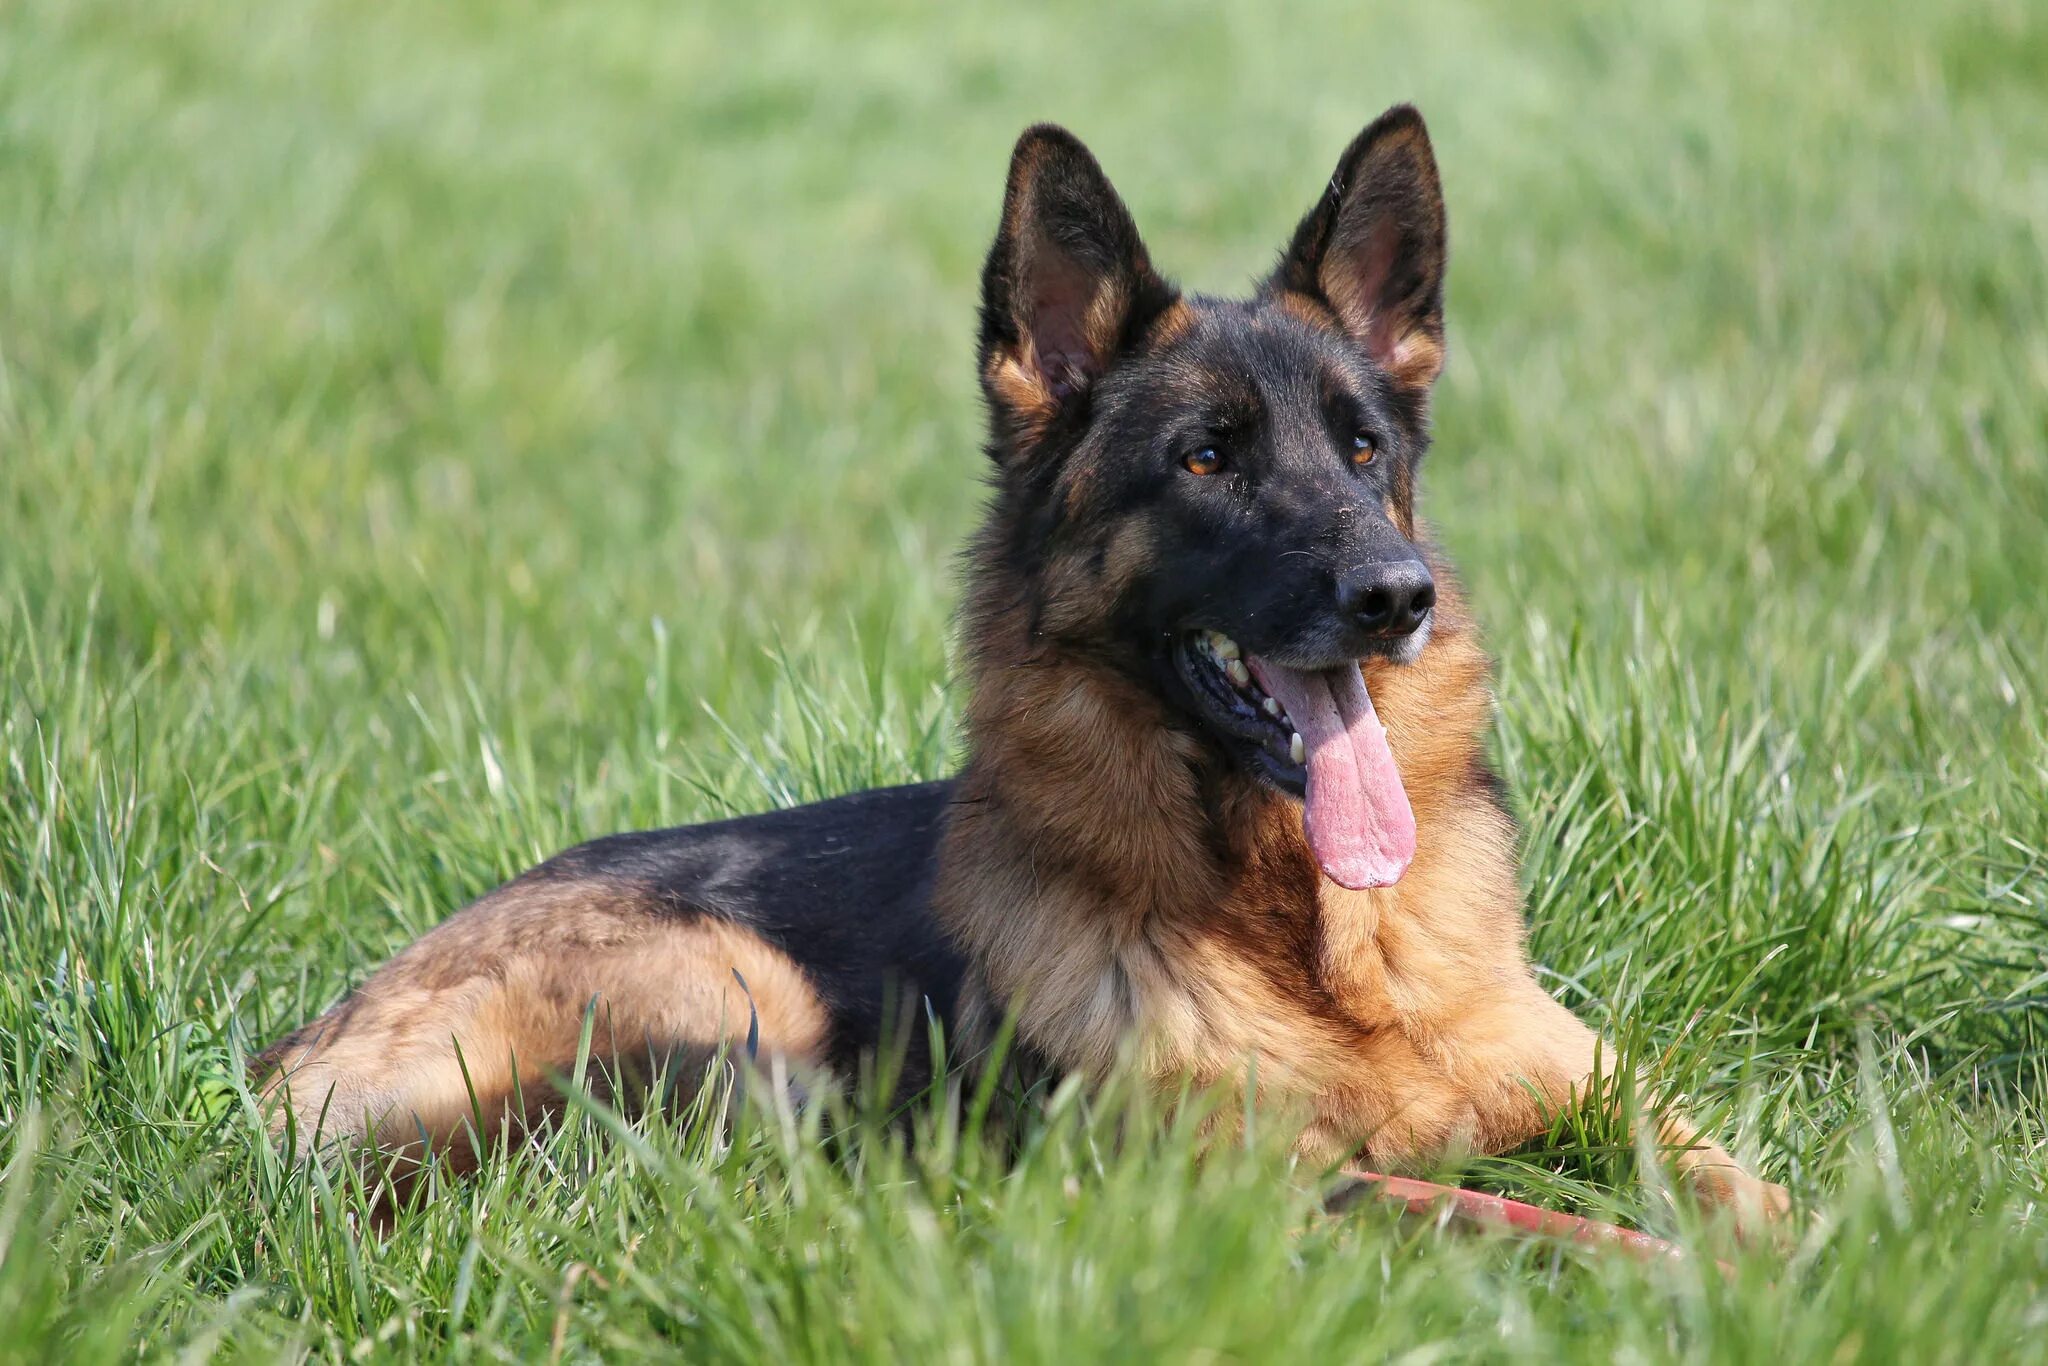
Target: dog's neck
1082	761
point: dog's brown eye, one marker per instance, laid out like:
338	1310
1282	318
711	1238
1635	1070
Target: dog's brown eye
1203	461
1363	448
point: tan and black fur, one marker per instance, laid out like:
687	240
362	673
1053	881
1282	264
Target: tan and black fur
1117	864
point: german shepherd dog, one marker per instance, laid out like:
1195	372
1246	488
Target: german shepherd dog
1225	808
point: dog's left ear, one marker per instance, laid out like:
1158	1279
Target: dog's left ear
1373	249
1067	286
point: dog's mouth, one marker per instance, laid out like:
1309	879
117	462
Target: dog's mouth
1312	734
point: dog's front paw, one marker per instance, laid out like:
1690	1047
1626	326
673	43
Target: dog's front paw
1758	1209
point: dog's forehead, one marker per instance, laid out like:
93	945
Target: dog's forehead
1268	350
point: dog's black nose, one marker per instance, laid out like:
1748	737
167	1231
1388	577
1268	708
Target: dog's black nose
1389	599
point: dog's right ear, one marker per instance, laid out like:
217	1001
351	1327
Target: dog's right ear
1373	249
1067	286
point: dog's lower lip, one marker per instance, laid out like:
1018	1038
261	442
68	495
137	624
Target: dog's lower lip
1237	711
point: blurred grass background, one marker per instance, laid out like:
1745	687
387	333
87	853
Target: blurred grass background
430	436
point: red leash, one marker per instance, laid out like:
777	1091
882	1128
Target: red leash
1478	1210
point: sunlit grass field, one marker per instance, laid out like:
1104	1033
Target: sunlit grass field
431	435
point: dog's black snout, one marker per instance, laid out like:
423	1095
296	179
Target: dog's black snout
1390	599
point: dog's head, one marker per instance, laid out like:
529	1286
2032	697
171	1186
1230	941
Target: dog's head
1218	495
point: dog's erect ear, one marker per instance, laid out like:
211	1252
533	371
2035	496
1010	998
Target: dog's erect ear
1067	285
1373	249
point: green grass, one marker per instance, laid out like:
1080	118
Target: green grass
432	435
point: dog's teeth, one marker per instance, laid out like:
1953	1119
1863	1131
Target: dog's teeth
1295	749
1226	648
1237	672
1272	706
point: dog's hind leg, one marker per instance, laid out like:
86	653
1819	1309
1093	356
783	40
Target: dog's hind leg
466	1032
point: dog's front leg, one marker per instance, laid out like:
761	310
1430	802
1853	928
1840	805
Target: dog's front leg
1531	1059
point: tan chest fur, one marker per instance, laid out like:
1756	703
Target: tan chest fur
1116	896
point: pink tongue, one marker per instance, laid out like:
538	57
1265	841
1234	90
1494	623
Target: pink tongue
1359	824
